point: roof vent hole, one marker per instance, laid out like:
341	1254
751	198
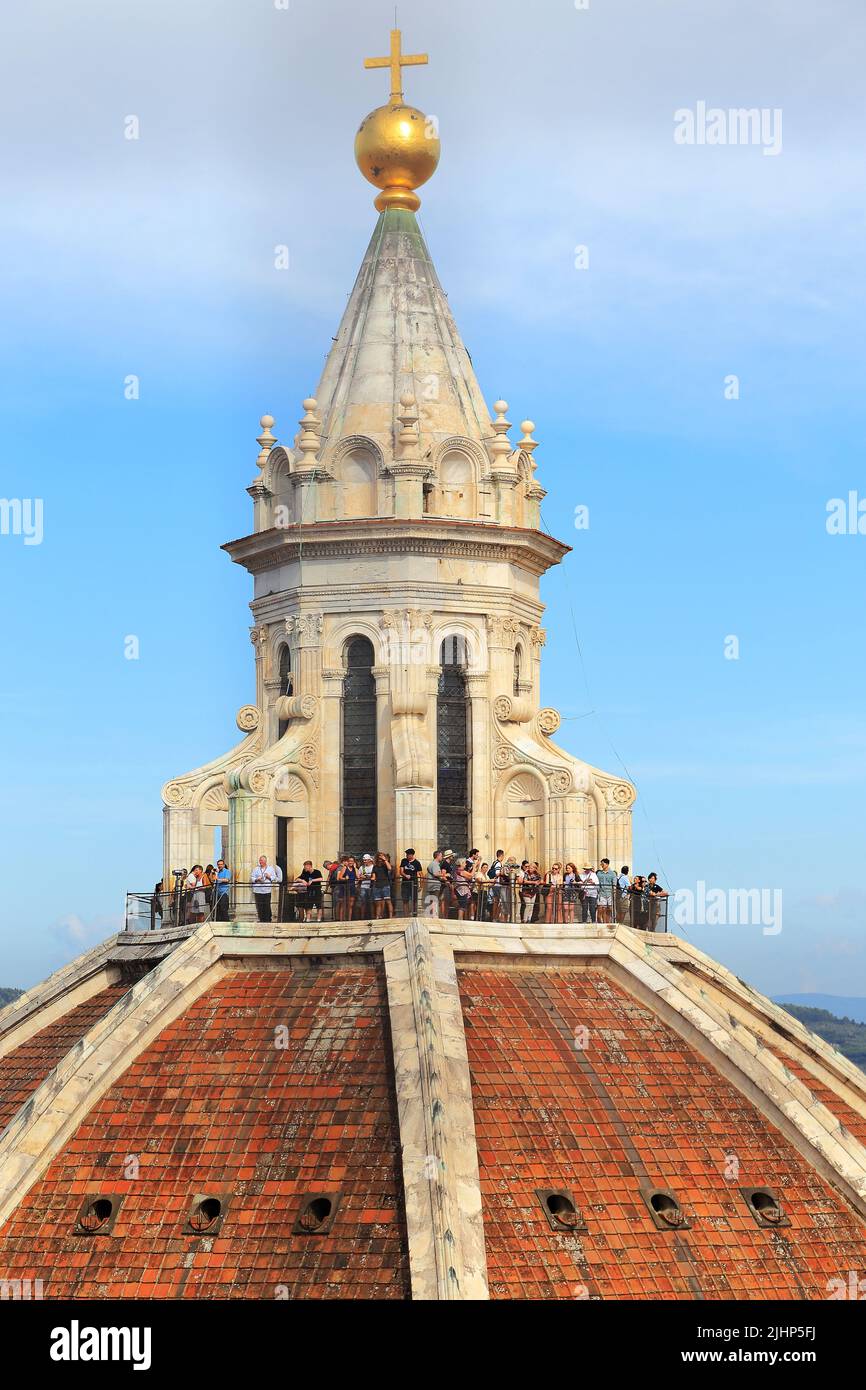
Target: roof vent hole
562	1209
667	1208
96	1214
766	1207
205	1212
317	1213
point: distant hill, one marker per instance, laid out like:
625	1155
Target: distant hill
837	1004
843	1033
7	995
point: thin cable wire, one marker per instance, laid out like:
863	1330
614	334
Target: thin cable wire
605	732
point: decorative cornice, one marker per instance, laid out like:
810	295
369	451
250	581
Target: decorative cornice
475	540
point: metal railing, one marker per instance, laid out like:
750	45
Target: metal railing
507	900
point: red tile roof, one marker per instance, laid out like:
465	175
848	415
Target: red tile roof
26	1066
217	1105
635	1106
852	1121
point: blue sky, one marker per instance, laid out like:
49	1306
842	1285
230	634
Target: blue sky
707	516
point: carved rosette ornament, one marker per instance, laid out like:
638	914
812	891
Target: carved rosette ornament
259	781
309	755
248	718
560	782
176	794
503	755
502	707
619	795
548	721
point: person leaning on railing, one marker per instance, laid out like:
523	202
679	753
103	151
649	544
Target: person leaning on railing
223	885
553	885
606	886
530	885
638	903
156	906
365	886
482	892
312	881
263	878
196	901
433	889
655	893
410	872
587	889
463	887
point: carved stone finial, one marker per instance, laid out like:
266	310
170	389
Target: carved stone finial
501	446
527	444
265	440
408	417
311	432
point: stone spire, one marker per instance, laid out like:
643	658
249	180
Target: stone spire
397	335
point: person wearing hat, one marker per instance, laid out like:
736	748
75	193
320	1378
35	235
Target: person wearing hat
448	870
365	885
587	887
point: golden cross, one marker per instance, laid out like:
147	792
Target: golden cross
395	62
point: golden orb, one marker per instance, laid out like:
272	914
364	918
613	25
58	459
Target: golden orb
397	149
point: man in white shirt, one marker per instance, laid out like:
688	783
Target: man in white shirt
587	887
364	886
262	878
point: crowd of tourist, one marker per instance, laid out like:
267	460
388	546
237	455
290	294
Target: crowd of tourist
464	886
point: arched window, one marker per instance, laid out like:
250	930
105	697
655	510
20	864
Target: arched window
517	658
358	475
360	834
457	481
452	748
285	684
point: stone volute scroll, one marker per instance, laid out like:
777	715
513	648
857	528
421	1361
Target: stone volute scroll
513	709
407	645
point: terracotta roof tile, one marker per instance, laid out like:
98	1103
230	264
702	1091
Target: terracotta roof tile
636	1107
214	1106
25	1068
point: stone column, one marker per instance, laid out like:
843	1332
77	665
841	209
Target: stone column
179	835
386	830
304	631
409	488
502	634
481	788
251	833
331	759
505	484
259	639
537	638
